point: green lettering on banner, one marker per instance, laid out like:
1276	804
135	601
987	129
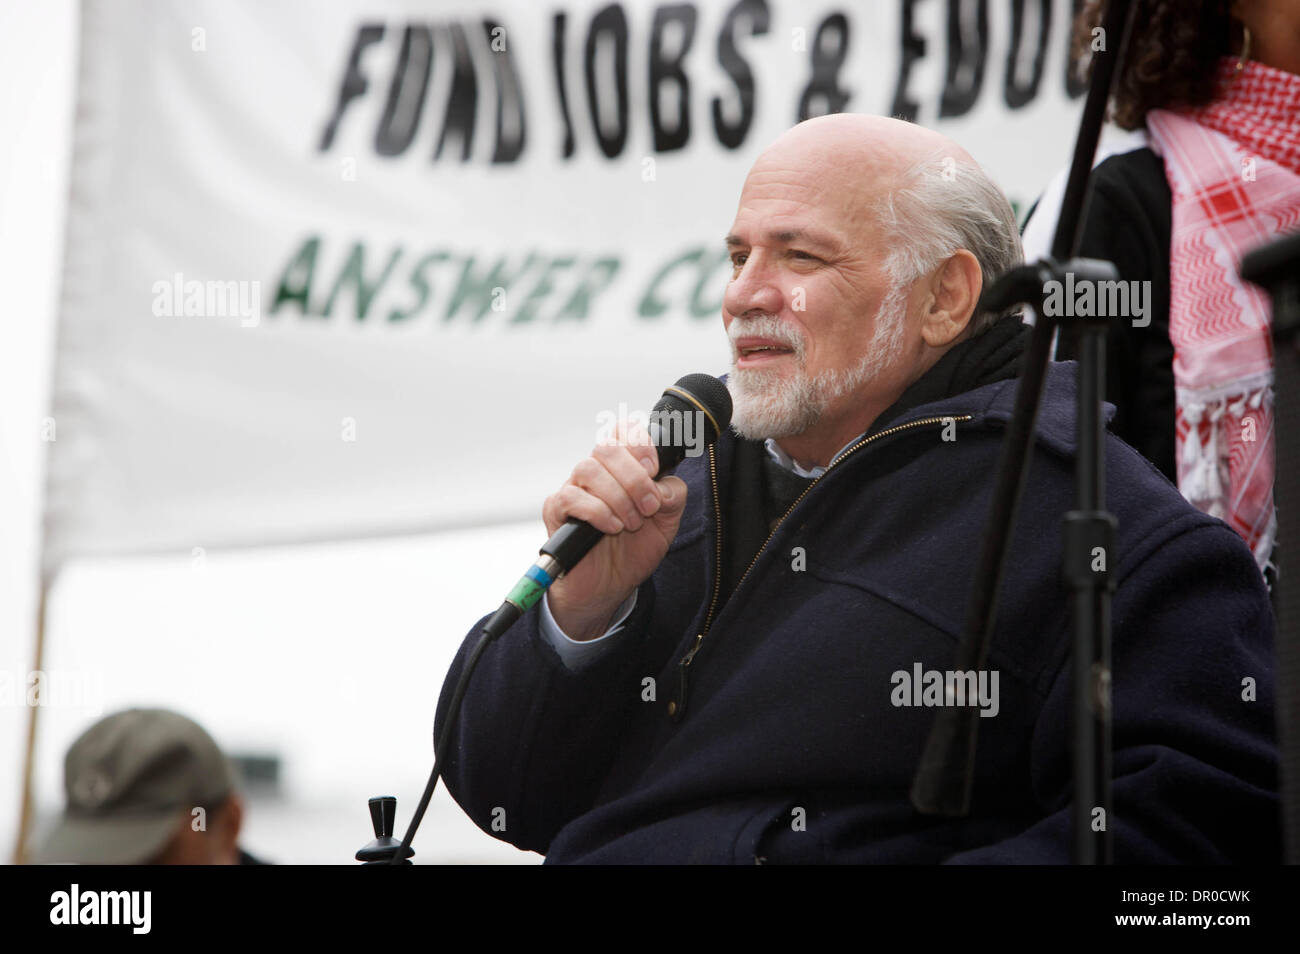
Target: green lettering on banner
354	273
651	305
543	287
472	289
420	283
474	286
658	299
595	281
712	308
295	280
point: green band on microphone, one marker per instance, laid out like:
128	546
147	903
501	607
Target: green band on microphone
526	592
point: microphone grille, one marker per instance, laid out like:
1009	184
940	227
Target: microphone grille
712	395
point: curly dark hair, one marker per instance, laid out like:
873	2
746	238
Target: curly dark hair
1173	54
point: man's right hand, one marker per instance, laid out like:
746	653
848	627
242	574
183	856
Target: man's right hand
613	490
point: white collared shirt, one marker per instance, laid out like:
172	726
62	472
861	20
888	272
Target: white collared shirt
785	460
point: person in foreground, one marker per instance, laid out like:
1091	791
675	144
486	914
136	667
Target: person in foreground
746	668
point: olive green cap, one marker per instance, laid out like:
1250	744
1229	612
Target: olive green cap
130	779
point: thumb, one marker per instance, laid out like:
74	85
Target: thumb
672	490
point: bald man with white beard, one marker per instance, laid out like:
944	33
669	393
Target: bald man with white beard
744	668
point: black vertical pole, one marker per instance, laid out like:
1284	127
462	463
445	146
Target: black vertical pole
1089	541
1276	267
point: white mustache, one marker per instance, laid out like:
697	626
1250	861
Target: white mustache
767	326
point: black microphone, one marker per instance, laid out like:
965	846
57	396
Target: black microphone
698	405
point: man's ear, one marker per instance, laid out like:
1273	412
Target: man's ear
954	292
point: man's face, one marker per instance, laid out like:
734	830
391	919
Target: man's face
803	311
217	843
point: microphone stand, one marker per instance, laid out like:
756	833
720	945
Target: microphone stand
945	776
386	850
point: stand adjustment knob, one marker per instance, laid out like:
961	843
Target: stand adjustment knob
383	813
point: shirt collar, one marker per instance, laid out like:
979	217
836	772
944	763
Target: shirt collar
786	461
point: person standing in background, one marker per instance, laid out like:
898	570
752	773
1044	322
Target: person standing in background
1210	91
148	787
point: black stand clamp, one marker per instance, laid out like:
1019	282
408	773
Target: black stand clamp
384	848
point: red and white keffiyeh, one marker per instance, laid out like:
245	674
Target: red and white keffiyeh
1234	173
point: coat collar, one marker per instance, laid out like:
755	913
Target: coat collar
993	404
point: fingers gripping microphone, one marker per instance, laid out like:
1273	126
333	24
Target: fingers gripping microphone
698	404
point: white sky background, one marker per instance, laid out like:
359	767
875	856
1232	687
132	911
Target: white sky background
330	657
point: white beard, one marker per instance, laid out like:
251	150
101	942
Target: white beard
767	405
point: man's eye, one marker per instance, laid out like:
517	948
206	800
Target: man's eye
738	259
803	256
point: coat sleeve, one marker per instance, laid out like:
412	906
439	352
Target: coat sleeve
533	740
1195	761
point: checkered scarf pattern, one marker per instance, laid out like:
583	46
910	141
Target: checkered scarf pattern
1234	173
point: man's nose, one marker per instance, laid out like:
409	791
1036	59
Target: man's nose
754	291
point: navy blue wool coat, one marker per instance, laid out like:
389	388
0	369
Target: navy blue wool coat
781	741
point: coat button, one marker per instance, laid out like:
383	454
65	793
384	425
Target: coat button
672	707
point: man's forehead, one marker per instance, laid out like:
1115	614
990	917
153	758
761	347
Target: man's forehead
785	211
824	177
822	196
819	180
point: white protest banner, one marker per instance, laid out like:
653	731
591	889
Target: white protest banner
355	268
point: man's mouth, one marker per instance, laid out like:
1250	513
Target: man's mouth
750	353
